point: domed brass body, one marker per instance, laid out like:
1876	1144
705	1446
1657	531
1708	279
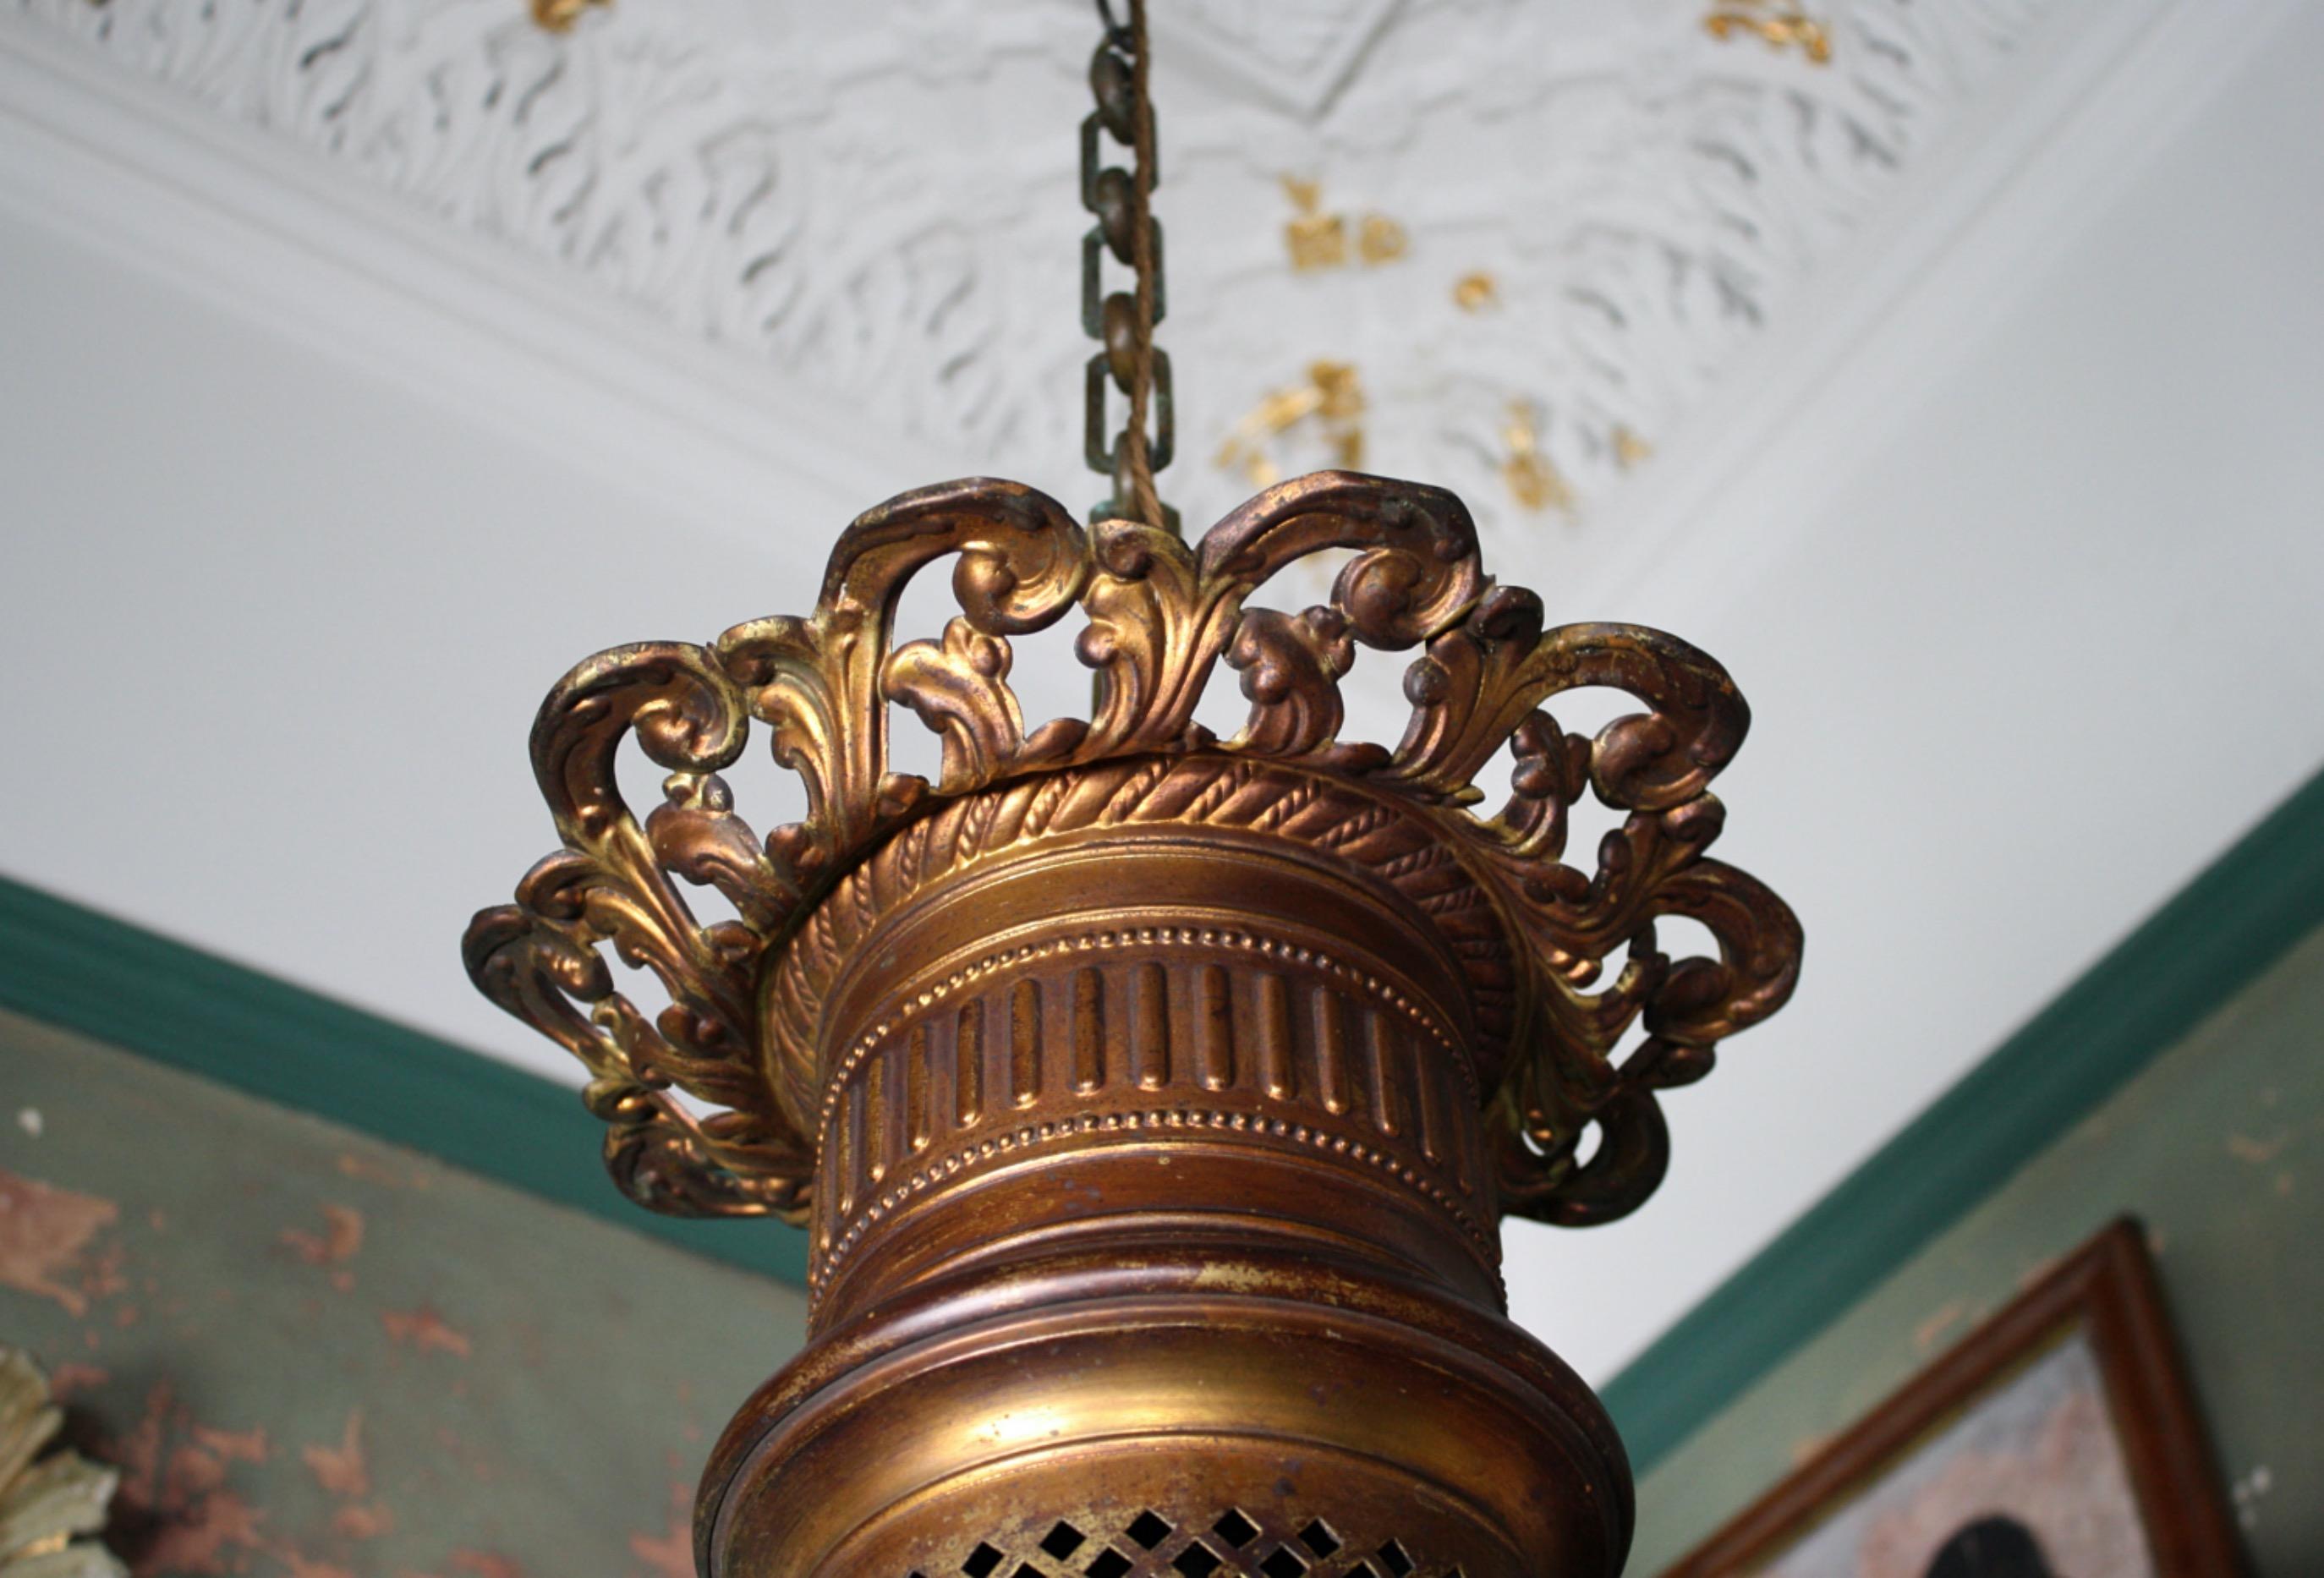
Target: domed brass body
1151	1099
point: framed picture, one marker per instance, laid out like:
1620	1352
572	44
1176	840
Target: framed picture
2058	1438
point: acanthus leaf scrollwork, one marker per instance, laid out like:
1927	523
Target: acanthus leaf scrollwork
612	883
1160	618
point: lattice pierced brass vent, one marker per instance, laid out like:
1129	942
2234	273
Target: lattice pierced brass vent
1236	1545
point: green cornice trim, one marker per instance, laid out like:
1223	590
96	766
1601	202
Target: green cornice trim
2189	957
178	1005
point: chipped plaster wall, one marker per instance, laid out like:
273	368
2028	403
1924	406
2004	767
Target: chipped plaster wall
2219	1147
316	1356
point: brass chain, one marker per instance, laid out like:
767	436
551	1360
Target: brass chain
1123	321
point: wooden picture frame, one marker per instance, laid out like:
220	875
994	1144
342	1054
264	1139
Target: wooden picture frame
2106	1296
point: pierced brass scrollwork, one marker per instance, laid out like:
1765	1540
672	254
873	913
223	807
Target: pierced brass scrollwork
1159	616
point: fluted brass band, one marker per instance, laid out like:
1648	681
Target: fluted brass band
1045	1062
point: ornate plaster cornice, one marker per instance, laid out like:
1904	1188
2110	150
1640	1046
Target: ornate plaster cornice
1645	196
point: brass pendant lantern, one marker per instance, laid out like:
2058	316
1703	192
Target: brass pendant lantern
1151	1099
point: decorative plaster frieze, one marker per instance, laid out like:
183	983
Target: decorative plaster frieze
877	198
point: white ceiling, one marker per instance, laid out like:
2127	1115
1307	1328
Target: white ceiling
370	360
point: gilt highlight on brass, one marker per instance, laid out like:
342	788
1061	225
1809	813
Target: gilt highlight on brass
1151	1099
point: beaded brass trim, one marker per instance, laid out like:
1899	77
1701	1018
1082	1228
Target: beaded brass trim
1144	935
827	1260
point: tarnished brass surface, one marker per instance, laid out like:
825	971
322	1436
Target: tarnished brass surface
1121	201
1151	1099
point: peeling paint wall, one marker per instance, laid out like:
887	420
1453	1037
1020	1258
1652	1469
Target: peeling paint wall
316	1356
2219	1147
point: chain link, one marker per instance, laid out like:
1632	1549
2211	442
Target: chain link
1123	322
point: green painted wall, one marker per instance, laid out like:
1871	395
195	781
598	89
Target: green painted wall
2219	1147
316	1355
127	987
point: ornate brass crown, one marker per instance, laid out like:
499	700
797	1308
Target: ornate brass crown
957	1028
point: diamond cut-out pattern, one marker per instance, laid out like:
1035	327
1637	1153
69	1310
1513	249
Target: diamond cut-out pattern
1198	1560
1232	1544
